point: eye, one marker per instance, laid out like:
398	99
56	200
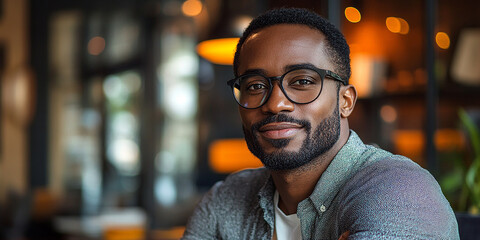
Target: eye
302	82
256	86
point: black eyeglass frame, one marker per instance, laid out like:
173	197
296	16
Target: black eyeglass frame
322	72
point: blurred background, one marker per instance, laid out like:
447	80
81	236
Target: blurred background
116	117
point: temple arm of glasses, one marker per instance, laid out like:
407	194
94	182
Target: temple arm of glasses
232	84
335	76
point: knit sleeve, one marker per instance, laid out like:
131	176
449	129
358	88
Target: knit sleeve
395	199
203	222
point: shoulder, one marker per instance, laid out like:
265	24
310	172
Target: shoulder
394	175
396	196
395	169
395	180
248	175
242	183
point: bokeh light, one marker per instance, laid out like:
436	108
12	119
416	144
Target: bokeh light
388	113
165	190
393	24
118	88
397	25
443	40
404	27
352	14
124	154
181	101
192	8
96	45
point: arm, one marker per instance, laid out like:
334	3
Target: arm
203	222
397	199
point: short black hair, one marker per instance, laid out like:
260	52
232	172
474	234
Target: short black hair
337	47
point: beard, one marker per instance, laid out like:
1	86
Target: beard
316	143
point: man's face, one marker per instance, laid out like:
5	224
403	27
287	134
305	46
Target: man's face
282	134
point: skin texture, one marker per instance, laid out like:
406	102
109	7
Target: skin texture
271	51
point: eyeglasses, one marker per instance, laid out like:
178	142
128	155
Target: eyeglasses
300	85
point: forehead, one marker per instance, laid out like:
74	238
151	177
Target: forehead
273	48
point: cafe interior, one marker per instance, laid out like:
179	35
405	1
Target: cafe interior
116	117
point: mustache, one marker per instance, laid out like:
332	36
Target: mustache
280	118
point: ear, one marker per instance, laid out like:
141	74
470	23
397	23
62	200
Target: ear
348	98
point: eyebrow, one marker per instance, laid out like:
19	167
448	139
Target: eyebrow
300	65
286	69
255	71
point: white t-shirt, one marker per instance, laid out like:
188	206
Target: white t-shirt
286	227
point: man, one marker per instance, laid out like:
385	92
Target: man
320	181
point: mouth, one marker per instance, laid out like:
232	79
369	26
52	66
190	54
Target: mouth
279	130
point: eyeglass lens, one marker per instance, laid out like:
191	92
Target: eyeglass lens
300	86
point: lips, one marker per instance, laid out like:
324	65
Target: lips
279	130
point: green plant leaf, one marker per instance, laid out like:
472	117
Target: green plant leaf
472	177
472	130
453	181
473	181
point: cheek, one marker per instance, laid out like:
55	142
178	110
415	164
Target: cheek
247	116
318	110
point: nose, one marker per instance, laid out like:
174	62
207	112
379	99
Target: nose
277	102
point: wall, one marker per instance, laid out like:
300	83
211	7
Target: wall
16	83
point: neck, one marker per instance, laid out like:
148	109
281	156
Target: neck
296	185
